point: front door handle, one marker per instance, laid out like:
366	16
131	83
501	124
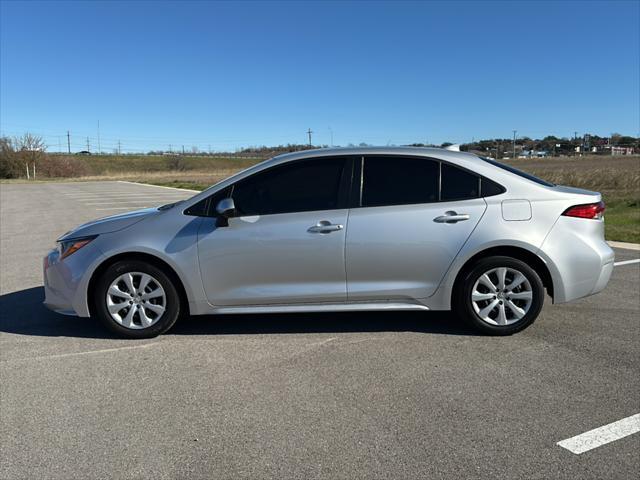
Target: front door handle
451	217
325	226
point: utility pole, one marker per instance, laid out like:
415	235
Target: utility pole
99	149
119	149
182	149
170	148
514	143
69	142
309	132
331	132
88	146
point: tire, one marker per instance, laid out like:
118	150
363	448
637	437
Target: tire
514	308
155	309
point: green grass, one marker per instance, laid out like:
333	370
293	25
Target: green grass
622	220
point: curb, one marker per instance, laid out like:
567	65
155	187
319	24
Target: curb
628	246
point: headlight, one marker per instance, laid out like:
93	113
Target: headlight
68	247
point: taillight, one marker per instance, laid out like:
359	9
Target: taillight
589	210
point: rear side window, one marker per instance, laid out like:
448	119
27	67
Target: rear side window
399	181
458	184
303	186
520	173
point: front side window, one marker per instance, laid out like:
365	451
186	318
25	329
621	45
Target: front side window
302	186
399	181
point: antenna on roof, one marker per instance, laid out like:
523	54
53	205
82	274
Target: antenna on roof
453	148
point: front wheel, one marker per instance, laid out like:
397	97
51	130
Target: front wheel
136	300
499	296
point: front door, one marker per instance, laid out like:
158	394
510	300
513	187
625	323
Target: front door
286	243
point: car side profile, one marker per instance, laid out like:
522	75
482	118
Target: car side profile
341	230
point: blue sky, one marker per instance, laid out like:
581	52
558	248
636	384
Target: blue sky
227	75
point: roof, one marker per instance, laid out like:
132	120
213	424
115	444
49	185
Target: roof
419	151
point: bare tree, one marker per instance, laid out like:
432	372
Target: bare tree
30	148
31	143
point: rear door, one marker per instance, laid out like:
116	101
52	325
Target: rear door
413	217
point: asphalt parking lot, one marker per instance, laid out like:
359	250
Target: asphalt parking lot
359	395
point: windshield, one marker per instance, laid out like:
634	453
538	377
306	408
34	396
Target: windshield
520	173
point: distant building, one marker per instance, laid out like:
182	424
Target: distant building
621	150
533	154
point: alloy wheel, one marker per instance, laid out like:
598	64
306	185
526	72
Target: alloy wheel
502	296
136	300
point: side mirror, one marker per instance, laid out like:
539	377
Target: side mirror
226	209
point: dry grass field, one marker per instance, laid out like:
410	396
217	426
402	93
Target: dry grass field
618	178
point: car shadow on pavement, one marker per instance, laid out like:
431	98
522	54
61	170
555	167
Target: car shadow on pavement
23	313
331	322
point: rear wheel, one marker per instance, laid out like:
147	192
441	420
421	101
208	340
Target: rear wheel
136	300
499	295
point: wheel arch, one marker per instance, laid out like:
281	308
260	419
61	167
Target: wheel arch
519	253
138	256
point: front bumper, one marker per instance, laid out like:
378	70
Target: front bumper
66	281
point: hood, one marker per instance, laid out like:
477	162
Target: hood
110	224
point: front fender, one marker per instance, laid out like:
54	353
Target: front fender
178	250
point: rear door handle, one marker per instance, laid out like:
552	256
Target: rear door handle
325	226
451	217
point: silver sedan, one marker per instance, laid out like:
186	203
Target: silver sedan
341	230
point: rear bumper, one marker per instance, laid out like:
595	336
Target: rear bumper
579	260
603	279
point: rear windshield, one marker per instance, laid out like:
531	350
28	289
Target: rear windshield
520	173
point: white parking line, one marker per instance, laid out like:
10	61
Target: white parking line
626	262
602	435
90	352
